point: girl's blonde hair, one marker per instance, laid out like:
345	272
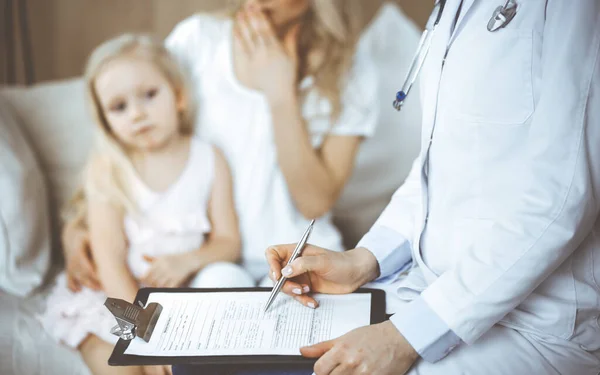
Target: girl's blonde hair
326	45
108	171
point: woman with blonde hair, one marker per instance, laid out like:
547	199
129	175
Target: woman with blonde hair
284	90
156	196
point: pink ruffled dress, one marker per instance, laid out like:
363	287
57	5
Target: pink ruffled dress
169	222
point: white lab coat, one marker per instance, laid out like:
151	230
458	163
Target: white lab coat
502	205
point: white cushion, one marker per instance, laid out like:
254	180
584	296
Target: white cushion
384	159
24	229
55	118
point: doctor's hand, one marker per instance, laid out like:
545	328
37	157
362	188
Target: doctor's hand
378	349
321	271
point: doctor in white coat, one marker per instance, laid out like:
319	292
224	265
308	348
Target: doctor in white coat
490	251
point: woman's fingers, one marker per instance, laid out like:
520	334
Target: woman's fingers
277	257
72	284
88	276
307	301
245	32
319	264
262	28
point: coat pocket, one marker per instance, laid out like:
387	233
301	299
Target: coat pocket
495	78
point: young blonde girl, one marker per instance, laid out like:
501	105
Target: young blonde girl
159	202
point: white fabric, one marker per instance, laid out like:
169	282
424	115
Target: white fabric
238	121
385	158
418	323
169	222
502	205
24	226
222	275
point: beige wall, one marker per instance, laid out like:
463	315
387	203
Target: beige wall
64	32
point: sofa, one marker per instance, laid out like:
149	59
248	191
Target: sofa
48	128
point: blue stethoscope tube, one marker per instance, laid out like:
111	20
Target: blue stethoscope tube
418	59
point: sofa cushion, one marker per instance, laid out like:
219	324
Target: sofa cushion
24	226
56	121
384	159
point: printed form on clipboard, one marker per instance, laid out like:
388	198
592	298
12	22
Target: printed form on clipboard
233	323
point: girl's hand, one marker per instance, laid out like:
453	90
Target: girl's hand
170	271
272	64
321	271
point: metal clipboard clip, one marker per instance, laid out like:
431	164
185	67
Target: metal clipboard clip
133	321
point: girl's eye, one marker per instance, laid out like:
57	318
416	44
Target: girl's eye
118	107
151	93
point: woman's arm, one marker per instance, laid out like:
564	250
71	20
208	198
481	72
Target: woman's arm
109	249
315	177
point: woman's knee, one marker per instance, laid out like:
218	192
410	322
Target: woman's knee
222	275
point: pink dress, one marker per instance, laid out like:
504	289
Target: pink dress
169	222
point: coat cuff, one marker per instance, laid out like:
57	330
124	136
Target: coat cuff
392	250
425	331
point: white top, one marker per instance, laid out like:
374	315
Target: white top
238	121
175	220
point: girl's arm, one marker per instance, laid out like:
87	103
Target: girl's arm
109	249
315	178
223	244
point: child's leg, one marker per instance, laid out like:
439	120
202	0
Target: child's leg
222	275
95	353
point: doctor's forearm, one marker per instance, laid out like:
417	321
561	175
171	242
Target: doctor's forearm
310	182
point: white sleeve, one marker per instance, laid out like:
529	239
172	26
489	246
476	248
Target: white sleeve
558	200
359	111
194	40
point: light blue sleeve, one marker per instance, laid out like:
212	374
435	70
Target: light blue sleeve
425	331
390	248
418	323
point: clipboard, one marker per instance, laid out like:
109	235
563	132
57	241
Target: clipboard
119	358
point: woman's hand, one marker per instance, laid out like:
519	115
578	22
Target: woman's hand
321	271
170	271
272	64
79	267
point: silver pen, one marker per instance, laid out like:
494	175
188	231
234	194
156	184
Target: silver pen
299	246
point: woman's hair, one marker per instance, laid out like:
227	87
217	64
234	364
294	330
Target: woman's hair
109	170
326	45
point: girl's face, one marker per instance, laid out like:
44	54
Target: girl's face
281	12
139	103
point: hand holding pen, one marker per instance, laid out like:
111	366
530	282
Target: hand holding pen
320	270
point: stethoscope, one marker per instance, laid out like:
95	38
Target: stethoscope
500	18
